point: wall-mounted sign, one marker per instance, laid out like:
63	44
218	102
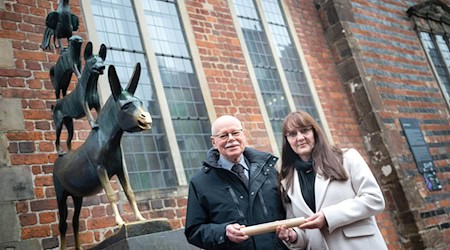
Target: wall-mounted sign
421	154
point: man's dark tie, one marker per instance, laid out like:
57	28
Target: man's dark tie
239	169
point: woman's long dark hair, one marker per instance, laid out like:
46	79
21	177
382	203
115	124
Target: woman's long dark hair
328	159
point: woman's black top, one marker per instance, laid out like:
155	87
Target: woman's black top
307	177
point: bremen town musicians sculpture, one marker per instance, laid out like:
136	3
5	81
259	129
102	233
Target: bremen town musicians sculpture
83	98
87	170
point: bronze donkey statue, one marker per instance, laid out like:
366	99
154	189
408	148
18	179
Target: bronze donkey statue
69	62
86	170
83	98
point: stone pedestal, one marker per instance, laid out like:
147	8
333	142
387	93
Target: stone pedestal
152	234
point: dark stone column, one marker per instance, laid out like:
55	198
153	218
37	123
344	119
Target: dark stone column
337	19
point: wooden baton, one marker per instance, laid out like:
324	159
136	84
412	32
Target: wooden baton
272	226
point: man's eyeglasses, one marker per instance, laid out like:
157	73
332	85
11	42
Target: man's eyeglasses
304	131
224	136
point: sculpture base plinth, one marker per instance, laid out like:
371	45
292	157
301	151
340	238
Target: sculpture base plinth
152	234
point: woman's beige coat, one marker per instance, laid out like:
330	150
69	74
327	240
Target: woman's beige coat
349	208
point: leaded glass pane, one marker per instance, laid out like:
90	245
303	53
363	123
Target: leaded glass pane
146	153
443	47
264	65
288	54
440	57
182	90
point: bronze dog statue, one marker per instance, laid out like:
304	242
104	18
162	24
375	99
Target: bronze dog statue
83	98
87	170
60	24
68	62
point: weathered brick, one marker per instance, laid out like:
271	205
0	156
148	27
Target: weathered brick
37	114
50	192
34	19
47	217
176	223
29	159
86	237
11	16
41	205
20	136
50	243
46	147
9	25
38	11
43	180
98	211
13	147
180	213
39	193
169	203
27	2
22	206
157	204
182	202
30	55
103	222
32	65
16	82
23	9
35	232
44	4
14	73
26	147
27	219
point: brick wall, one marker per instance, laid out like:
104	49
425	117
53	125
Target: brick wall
225	69
380	58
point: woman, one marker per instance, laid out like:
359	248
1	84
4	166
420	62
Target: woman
333	189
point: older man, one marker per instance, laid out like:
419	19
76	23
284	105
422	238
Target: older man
237	187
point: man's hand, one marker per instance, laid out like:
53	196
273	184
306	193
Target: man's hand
286	234
316	220
234	233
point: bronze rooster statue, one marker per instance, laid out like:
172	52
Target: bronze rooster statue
60	24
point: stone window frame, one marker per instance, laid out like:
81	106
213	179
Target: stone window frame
433	17
276	148
181	188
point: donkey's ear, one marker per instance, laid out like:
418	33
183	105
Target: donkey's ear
114	82
132	84
102	52
88	50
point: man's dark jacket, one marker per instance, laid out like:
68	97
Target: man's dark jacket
217	197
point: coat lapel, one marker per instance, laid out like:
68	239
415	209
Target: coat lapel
256	181
297	196
320	187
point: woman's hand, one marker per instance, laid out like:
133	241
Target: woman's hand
286	234
316	220
234	233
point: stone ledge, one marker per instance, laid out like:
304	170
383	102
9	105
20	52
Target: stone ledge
152	234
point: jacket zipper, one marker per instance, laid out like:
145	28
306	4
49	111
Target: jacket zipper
266	213
236	201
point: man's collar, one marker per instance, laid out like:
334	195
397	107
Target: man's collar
225	163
